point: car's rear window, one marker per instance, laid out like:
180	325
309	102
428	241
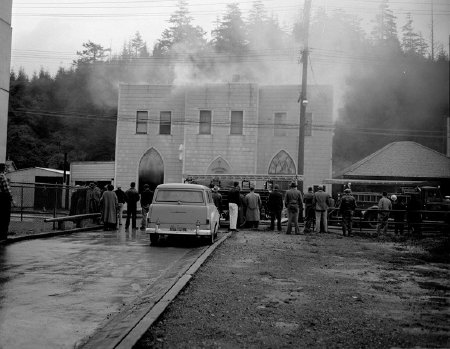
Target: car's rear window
175	195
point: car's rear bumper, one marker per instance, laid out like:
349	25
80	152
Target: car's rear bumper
191	232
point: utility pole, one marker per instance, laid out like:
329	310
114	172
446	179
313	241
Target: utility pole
432	31
303	100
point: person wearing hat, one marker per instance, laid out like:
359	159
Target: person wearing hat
347	207
6	200
217	198
109	206
384	206
275	206
132	199
321	202
121	198
309	210
252	202
293	203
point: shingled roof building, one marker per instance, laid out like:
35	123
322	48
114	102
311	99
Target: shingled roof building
402	161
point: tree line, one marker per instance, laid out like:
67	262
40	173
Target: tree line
388	86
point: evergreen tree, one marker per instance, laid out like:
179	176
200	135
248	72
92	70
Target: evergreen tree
385	31
412	42
139	46
181	33
230	35
263	32
92	53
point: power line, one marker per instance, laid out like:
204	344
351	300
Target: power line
252	125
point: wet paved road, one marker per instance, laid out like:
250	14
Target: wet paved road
55	292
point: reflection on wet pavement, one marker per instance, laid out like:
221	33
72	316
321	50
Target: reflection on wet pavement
54	292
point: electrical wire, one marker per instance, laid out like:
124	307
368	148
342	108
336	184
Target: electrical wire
247	125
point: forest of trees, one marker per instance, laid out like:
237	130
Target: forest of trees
388	86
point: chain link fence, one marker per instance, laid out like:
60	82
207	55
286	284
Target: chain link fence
34	202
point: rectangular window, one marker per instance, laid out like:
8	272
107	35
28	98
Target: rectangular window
141	121
279	124
205	122
308	124
180	196
165	122
237	122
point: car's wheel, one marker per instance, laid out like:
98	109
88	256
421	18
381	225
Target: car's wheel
213	235
154	239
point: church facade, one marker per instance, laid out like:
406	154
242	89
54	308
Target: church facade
165	133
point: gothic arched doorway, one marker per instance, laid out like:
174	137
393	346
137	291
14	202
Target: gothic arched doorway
151	170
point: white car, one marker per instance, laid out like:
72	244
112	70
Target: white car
182	209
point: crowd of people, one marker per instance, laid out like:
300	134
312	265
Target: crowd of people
110	203
316	207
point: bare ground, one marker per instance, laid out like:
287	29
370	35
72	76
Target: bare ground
267	290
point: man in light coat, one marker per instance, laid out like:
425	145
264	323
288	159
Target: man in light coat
384	205
321	202
252	202
293	203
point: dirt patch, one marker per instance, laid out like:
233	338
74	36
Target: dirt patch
266	290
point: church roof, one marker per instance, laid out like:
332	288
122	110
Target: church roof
402	159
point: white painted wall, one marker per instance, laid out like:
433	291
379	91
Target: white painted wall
5	66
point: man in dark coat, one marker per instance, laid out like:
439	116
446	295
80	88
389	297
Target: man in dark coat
309	210
132	199
122	199
294	203
5	203
398	213
146	200
217	198
347	207
275	206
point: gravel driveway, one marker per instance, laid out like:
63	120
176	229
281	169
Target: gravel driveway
266	290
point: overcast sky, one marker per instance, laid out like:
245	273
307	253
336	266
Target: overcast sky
47	33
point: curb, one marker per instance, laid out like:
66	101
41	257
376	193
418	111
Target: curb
129	339
12	240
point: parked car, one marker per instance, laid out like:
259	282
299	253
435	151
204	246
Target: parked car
182	209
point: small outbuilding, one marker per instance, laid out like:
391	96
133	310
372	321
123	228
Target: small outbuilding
400	164
36	187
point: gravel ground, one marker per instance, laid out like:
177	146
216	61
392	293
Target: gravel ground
269	290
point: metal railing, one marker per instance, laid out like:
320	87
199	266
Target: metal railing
35	202
411	221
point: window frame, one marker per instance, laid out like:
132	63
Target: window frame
165	125
141	122
279	128
202	124
241	124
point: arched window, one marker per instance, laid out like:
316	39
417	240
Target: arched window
282	163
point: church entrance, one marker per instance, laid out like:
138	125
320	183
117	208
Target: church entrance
151	170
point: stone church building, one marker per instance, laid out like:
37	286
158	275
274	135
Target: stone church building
166	133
